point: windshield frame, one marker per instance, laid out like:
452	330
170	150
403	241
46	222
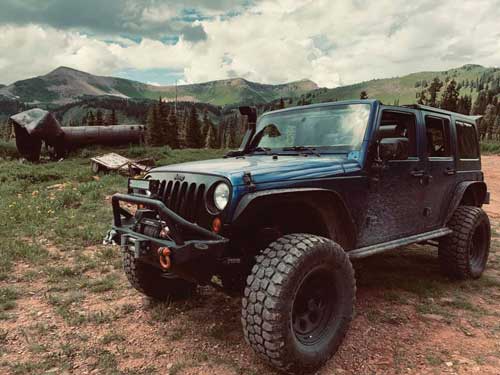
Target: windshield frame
254	139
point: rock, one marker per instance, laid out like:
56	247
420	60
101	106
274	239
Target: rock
446	300
449	364
434	317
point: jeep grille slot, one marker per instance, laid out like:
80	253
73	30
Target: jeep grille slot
185	199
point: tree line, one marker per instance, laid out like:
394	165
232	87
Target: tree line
100	118
486	103
446	95
185	127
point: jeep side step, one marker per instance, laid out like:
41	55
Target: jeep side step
366	251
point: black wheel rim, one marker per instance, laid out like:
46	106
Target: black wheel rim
478	247
313	306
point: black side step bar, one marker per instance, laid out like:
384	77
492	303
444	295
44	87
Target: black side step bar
363	252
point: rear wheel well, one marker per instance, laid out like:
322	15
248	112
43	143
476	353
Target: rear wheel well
474	195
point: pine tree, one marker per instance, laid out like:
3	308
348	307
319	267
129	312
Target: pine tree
363	95
487	125
211	136
153	127
496	128
91	121
173	130
182	128
449	100
221	136
480	104
163	125
422	97
99	118
232	137
281	104
193	134
433	90
111	118
205	123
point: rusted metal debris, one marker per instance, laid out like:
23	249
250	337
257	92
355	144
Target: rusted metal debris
116	162
37	126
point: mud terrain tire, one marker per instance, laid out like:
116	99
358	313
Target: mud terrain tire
463	254
299	302
150	280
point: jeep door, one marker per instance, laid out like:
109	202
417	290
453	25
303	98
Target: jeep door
440	166
395	201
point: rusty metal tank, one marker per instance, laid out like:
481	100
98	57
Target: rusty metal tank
36	125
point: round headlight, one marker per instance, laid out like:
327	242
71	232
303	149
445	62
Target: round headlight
221	196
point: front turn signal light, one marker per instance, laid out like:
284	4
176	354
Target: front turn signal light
216	225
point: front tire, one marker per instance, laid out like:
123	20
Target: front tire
299	302
463	254
153	283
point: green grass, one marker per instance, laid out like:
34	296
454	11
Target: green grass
490	147
62	202
8	297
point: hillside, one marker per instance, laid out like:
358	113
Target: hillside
65	85
404	89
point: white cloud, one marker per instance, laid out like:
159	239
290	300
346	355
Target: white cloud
278	41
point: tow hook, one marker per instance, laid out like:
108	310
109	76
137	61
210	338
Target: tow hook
164	256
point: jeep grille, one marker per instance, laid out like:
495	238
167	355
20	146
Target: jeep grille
184	198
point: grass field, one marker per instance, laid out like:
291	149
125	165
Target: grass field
66	307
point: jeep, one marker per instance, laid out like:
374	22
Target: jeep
310	189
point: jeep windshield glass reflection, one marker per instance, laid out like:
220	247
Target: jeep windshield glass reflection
338	128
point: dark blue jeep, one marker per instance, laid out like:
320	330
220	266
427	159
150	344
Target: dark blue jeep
310	189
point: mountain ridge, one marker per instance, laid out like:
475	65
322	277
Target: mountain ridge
404	89
65	85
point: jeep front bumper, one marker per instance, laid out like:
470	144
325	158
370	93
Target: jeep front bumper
187	242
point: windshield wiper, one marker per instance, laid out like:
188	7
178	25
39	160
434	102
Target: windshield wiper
301	149
267	150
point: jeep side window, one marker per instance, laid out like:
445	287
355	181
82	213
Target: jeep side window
399	124
437	131
467	141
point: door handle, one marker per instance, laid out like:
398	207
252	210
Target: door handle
450	171
418	173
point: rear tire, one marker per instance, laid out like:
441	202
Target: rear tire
152	282
299	302
463	254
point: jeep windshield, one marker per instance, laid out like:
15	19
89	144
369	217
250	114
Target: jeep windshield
336	128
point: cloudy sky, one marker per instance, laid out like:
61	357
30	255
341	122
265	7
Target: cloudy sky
332	42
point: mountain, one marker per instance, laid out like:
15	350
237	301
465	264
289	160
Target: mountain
65	85
404	89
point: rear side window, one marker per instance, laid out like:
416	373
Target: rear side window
437	132
467	141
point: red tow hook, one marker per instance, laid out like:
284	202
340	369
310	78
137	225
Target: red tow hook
164	256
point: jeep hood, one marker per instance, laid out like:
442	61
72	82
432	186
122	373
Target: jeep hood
264	168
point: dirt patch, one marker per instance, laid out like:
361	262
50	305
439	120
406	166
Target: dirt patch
491	170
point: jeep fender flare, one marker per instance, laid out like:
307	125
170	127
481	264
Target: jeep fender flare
332	209
473	191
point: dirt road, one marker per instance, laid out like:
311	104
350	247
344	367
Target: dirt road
77	314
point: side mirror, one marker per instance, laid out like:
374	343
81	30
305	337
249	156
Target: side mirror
393	149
